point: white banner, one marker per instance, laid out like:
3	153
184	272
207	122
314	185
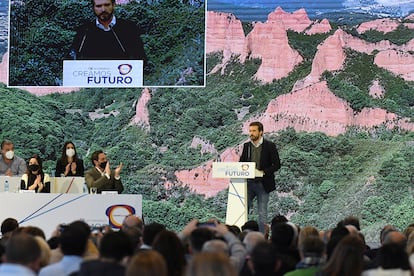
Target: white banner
103	73
47	211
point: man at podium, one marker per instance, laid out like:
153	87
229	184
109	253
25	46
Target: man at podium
264	153
108	37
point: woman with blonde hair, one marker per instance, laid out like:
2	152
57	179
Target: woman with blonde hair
210	264
147	263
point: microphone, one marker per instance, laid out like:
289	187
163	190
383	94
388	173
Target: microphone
117	39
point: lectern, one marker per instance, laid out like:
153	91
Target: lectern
238	173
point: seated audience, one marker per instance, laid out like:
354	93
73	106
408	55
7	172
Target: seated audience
102	176
69	164
151	230
264	260
10	164
35	179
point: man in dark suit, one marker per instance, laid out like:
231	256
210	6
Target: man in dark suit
264	153
101	176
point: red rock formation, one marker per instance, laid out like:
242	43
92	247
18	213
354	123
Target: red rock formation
376	90
319	27
398	62
384	25
269	42
141	117
297	21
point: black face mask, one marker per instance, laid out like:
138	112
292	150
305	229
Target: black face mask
103	165
34	167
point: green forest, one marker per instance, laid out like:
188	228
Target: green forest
364	172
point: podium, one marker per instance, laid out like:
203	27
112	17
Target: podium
237	172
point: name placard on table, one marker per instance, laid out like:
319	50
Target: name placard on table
103	73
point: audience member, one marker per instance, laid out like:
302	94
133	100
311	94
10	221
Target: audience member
393	261
35	179
69	164
115	250
151	230
22	257
305	232
264	260
210	264
347	258
45	251
101	176
7	227
284	238
147	263
251	225
170	247
311	250
251	239
10	164
132	221
73	243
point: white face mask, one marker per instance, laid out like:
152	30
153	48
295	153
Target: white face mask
70	152
9	154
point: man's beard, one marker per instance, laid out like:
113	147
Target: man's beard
254	138
105	17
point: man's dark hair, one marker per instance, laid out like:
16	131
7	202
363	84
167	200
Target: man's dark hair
93	2
9	225
258	124
250	225
393	256
74	238
312	246
22	249
264	258
150	232
277	219
116	245
351	220
95	156
199	236
6	142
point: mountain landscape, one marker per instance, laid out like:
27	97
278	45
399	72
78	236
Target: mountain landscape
337	99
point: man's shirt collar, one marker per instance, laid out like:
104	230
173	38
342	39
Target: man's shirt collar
102	27
258	144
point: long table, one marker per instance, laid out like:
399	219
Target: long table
47	211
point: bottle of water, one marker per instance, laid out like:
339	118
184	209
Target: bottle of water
6	185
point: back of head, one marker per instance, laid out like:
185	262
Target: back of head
252	239
9	225
347	257
210	264
74	238
395	237
115	246
147	263
250	225
312	246
264	259
150	232
170	247
22	249
198	237
132	221
306	232
351	220
337	234
393	255
284	235
278	219
216	246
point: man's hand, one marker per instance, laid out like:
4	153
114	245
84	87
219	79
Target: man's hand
118	170
108	169
9	172
189	227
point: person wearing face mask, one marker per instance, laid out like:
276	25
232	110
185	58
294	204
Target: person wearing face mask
101	176
69	163
35	179
10	164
